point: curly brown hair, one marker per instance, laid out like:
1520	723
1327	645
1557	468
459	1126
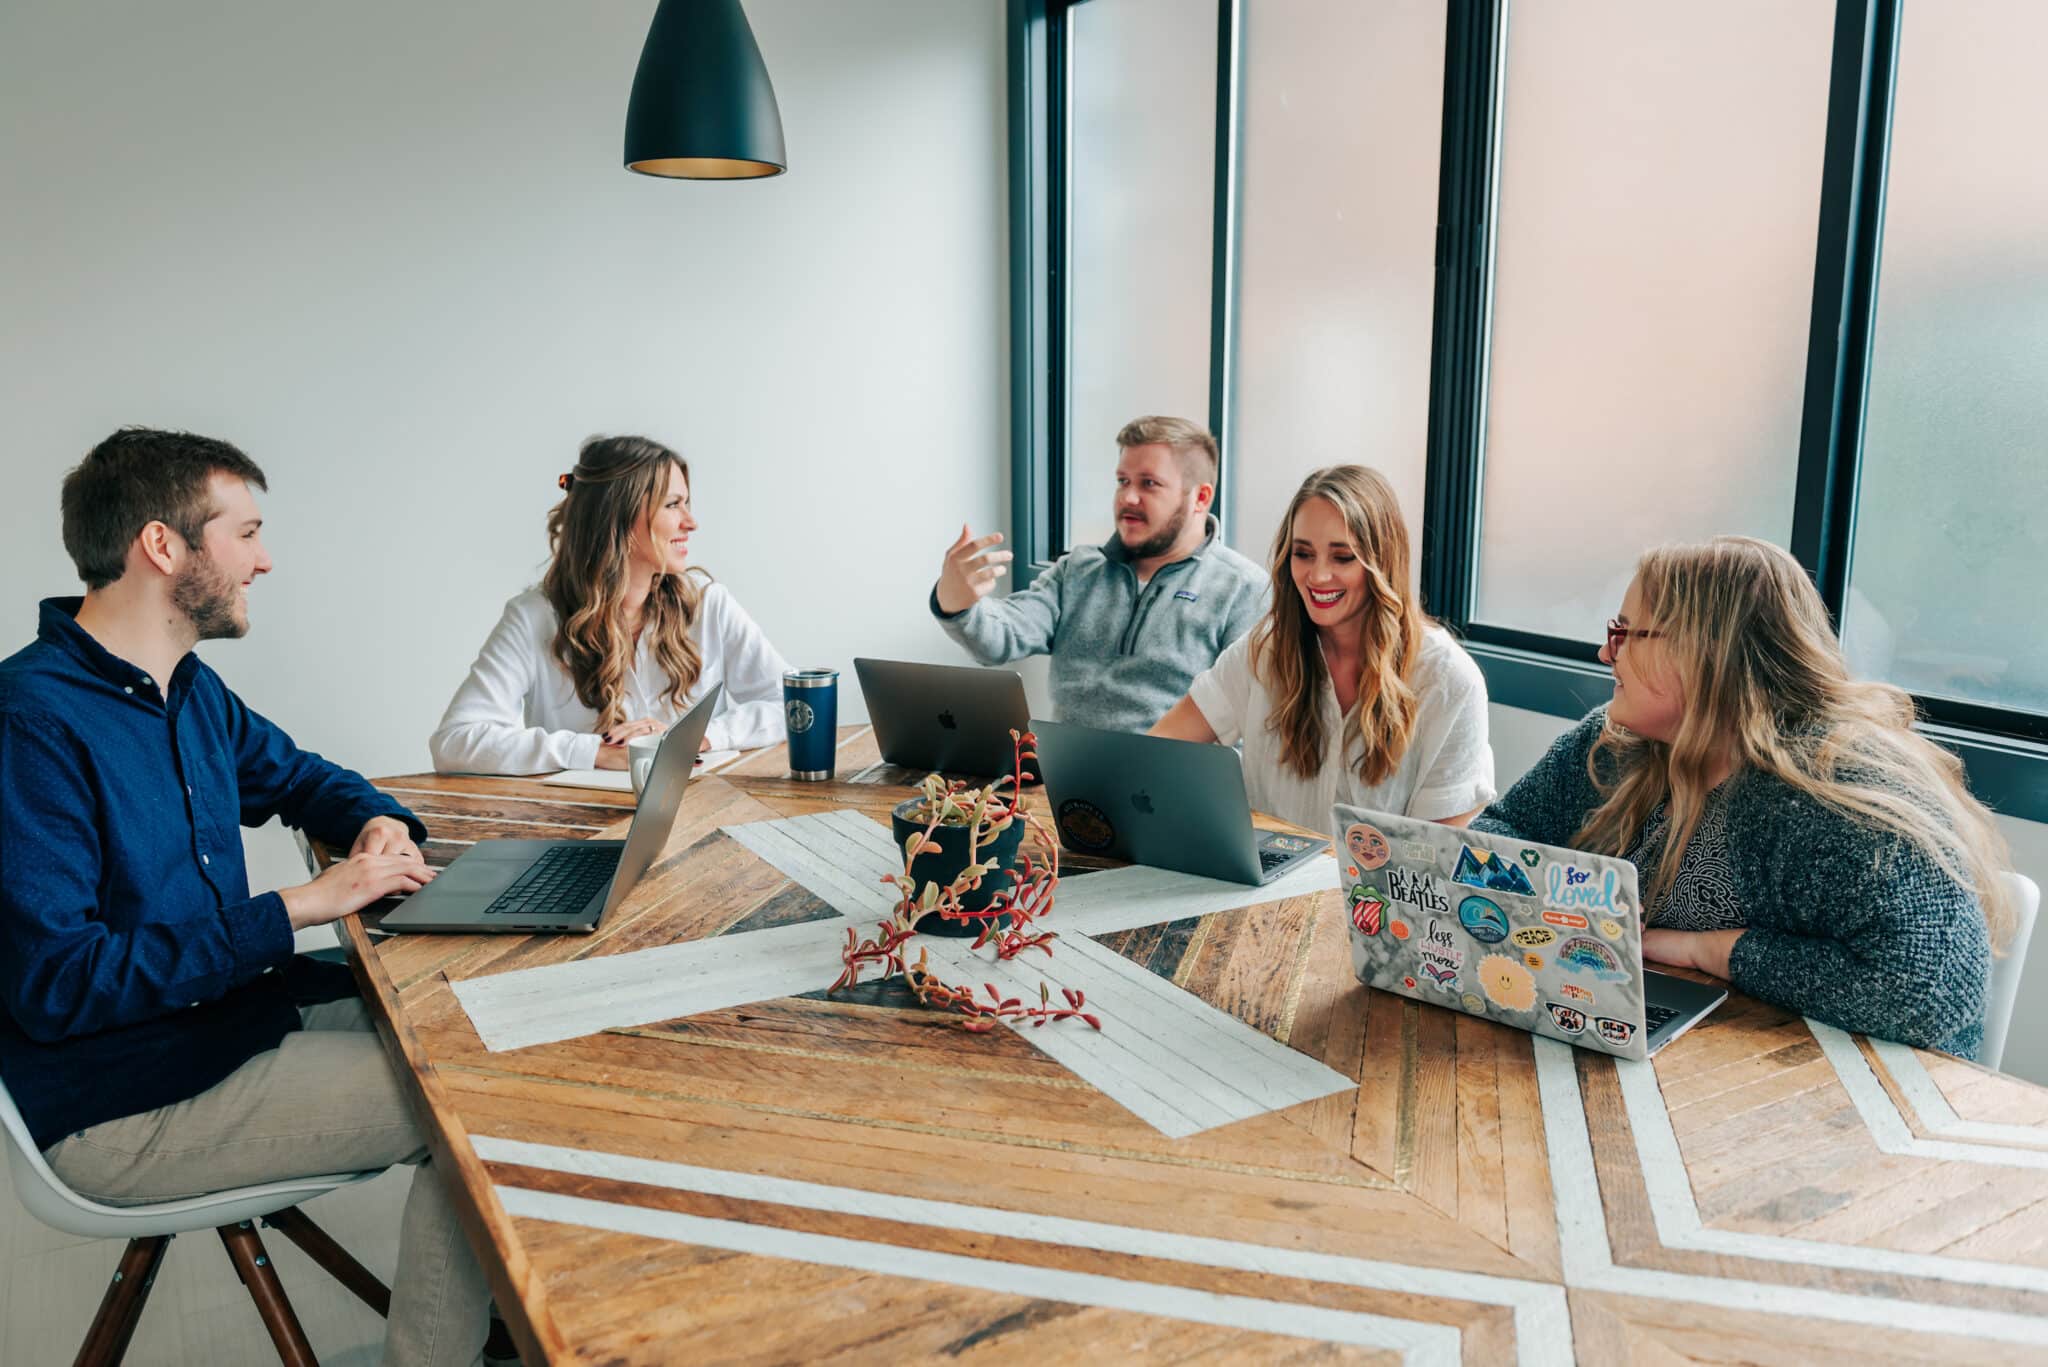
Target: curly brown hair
616	482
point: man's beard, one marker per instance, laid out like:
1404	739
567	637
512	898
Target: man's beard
1162	541
206	595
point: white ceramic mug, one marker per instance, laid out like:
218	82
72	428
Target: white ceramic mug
640	753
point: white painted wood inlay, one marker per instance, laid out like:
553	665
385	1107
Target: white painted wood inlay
1428	1345
1542	1319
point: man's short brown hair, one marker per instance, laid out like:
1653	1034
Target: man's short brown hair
1190	443
136	477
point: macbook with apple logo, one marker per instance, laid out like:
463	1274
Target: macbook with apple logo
948	719
1173	804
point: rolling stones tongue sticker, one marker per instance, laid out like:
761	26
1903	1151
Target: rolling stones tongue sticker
1368	909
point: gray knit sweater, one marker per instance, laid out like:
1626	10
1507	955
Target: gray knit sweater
1848	924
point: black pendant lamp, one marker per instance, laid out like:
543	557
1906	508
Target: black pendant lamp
702	106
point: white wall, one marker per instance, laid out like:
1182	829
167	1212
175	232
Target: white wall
1521	737
389	250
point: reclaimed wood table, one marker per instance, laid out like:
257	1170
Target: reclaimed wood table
819	1176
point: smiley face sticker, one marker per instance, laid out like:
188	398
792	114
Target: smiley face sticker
1367	846
1611	928
1506	983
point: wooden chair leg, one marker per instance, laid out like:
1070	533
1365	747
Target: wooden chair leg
121	1307
252	1265
297	1226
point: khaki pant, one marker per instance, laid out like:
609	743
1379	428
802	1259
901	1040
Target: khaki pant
325	1100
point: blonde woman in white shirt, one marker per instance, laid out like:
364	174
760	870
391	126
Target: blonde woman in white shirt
621	637
1345	691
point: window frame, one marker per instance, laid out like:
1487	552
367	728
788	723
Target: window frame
2004	749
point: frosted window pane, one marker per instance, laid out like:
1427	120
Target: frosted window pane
1144	139
1342	117
1950	575
1660	192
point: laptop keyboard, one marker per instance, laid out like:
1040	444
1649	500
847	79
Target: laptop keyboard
1270	860
560	882
1655	1016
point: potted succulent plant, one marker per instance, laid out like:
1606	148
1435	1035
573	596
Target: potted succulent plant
963	874
951	836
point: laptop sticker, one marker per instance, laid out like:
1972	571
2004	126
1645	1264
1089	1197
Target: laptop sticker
1486	869
1616	1033
1483	920
1576	993
1290	844
1534	961
1440	957
1408	983
1506	983
1569	1019
1595	891
1583	955
1534	937
1084	825
1570	920
1399	929
1368	906
1418	851
1474	1003
1367	846
1442	970
1418	890
1532	857
1611	928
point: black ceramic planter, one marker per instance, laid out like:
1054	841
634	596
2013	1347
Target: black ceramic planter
943	865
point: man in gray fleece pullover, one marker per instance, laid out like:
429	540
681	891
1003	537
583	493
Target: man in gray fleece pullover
1131	622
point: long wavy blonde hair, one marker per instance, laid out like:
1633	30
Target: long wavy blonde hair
1288	661
1761	671
617	481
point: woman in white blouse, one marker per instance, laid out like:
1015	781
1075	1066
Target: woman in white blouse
1344	691
620	638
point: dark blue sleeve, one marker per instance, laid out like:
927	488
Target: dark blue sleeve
68	968
279	779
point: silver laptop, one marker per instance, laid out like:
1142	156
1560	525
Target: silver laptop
1544	939
949	719
1174	804
560	885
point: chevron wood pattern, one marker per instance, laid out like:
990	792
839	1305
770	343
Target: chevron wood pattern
851	1176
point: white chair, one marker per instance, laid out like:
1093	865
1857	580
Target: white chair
149	1230
2005	971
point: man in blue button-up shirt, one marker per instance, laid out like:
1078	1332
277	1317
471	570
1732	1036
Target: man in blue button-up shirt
156	1032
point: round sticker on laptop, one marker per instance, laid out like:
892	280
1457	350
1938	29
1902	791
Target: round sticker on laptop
1367	845
1084	827
1483	920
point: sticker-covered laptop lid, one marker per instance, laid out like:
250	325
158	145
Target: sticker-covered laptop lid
1543	939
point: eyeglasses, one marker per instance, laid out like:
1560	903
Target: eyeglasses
1619	635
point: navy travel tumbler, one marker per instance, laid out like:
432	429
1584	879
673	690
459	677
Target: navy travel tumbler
810	704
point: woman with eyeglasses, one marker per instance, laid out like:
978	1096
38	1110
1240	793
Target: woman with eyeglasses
1345	691
1794	835
619	640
